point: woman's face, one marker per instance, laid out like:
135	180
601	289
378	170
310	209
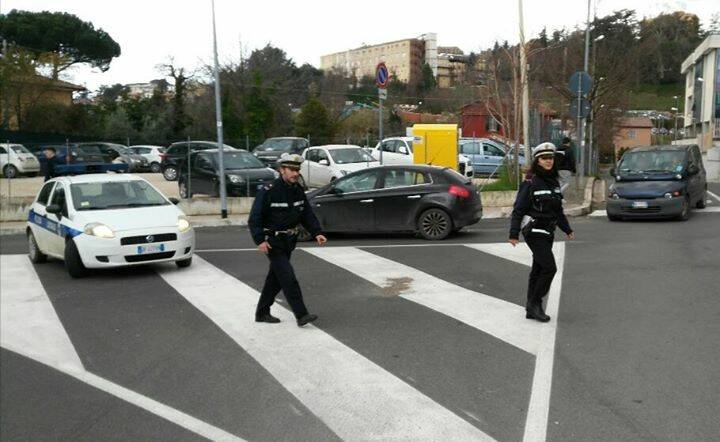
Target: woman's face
546	161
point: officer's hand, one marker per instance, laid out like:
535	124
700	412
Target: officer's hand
264	247
513	241
321	239
571	236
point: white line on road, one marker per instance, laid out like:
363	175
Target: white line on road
714	195
598	213
354	397
494	316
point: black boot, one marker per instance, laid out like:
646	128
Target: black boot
306	319
535	311
270	319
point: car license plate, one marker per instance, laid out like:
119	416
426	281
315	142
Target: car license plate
152	248
640	204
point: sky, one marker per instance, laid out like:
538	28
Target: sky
151	31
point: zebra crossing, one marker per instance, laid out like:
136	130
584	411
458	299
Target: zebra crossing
409	346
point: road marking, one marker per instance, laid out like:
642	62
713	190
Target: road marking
27	317
715	209
502	319
714	195
520	254
599	213
354	397
30	327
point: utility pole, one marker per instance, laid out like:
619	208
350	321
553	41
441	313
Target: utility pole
524	86
218	119
581	120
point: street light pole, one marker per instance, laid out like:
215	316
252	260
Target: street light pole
581	120
524	86
218	119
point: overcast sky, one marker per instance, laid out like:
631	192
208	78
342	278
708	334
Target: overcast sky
150	31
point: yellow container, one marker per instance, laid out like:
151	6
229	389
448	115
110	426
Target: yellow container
436	144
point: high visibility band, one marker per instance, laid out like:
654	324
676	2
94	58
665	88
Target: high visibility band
298	203
278	204
542	192
540	231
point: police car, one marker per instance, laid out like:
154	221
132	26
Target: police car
107	220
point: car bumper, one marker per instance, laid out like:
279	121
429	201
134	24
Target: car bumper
467	215
28	167
656	208
101	252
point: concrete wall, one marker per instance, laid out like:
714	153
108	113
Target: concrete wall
712	164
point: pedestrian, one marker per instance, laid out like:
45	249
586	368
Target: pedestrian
537	210
278	211
565	161
51	161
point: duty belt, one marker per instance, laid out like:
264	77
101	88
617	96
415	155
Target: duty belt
293	231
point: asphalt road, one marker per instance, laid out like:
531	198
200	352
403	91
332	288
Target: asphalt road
153	353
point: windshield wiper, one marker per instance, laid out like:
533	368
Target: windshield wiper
659	171
133	205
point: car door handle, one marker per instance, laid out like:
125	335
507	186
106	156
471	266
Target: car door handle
413	197
366	201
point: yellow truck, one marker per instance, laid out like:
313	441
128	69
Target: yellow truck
436	144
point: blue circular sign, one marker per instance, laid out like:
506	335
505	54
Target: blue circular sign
381	75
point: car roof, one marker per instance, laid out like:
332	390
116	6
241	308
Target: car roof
337	146
216	150
98	178
148	145
285	138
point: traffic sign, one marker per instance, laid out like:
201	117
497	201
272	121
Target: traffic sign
581	82
382	93
381	75
584	107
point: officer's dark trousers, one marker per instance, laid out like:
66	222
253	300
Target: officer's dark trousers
281	276
543	267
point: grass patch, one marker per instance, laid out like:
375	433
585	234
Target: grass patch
503	182
657	96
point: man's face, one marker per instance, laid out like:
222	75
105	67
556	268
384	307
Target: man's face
49	153
290	175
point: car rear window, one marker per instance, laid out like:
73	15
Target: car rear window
450	176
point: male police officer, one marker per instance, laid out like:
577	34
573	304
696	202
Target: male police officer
51	161
276	213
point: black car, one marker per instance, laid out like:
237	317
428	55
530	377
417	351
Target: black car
244	173
177	152
271	149
78	154
429	200
658	182
111	151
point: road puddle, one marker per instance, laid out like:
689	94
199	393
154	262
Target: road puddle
396	286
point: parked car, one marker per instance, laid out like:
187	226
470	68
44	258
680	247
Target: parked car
107	220
78	155
270	150
324	164
657	182
16	160
399	150
486	155
430	200
244	174
177	152
151	154
136	163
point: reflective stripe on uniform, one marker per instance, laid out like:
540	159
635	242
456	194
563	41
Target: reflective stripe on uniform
278	204
298	203
540	231
542	192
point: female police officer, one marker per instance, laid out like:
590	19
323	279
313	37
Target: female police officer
277	211
537	210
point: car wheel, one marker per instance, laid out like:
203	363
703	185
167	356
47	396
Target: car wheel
435	224
685	211
170	173
614	218
73	262
36	256
703	200
10	171
155	167
183	189
184	263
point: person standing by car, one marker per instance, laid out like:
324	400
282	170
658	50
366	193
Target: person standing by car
278	210
52	161
537	210
565	161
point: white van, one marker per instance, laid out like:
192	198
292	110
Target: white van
16	160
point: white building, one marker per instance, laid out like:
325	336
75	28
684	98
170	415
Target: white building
702	94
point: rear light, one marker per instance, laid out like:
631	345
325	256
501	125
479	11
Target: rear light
458	191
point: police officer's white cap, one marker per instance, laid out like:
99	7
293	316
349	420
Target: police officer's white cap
543	149
290	160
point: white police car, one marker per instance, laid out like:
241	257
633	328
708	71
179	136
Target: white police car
107	220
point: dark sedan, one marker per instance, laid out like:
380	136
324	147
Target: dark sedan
429	200
244	173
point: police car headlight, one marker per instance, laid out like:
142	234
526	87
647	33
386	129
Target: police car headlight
100	230
183	224
235	179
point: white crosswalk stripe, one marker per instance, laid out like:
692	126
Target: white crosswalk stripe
354	397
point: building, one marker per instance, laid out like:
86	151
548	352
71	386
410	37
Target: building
702	94
141	90
479	122
632	132
404	59
30	91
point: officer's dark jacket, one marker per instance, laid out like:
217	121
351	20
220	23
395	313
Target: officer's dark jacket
565	159
50	167
280	206
541	199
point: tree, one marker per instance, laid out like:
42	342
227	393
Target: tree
665	41
64	36
428	79
179	120
315	121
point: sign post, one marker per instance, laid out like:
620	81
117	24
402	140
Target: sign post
580	83
381	79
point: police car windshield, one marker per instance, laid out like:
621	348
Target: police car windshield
670	161
240	160
115	195
350	155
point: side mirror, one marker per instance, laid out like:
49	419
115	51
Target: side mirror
403	150
324	162
54	208
174	200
